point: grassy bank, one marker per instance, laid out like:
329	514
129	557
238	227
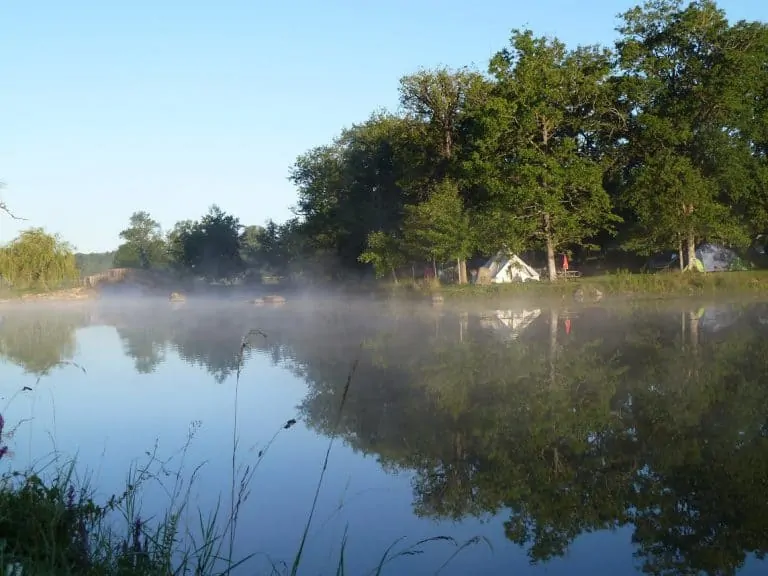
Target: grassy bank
618	285
51	524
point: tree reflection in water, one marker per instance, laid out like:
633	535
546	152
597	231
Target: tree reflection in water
650	418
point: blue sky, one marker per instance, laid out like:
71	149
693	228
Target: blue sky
107	107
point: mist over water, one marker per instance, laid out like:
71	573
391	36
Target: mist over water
575	440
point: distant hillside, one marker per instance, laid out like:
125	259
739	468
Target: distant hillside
95	262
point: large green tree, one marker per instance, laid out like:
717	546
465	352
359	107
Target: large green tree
385	252
143	243
439	228
439	101
353	187
250	245
210	247
556	146
681	68
544	179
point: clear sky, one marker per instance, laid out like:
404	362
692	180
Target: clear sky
112	106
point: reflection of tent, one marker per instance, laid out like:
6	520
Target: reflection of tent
506	267
714	319
509	321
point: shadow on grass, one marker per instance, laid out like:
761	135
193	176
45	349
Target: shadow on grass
51	524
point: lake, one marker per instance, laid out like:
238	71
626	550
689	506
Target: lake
542	440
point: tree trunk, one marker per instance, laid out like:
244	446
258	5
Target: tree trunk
680	254
551	266
462	271
691	242
447	143
434	268
394	275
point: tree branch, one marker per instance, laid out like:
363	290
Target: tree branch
4	208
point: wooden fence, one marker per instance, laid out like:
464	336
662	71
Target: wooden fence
111	276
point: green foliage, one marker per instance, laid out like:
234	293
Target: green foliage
385	253
354	186
546	107
439	228
663	141
94	262
683	83
210	247
250	244
143	246
282	248
38	260
34	510
437	101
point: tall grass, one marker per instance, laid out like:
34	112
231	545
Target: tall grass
51	523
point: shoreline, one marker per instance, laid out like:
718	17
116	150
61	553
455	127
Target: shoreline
78	294
621	287
613	287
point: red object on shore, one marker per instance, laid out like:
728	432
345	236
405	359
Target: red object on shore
565	262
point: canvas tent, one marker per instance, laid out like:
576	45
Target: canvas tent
506	267
711	258
716	258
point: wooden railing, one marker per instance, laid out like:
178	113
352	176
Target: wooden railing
111	276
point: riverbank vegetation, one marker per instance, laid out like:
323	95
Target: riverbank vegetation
37	260
622	283
604	154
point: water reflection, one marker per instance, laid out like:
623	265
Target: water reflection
37	340
561	422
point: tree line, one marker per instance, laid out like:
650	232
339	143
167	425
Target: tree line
215	247
657	143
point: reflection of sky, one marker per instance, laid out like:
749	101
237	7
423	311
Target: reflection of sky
110	416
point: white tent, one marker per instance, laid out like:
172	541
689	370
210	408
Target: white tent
506	267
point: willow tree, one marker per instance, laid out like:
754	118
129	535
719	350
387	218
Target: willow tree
36	259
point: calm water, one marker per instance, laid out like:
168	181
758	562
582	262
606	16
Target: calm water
573	441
